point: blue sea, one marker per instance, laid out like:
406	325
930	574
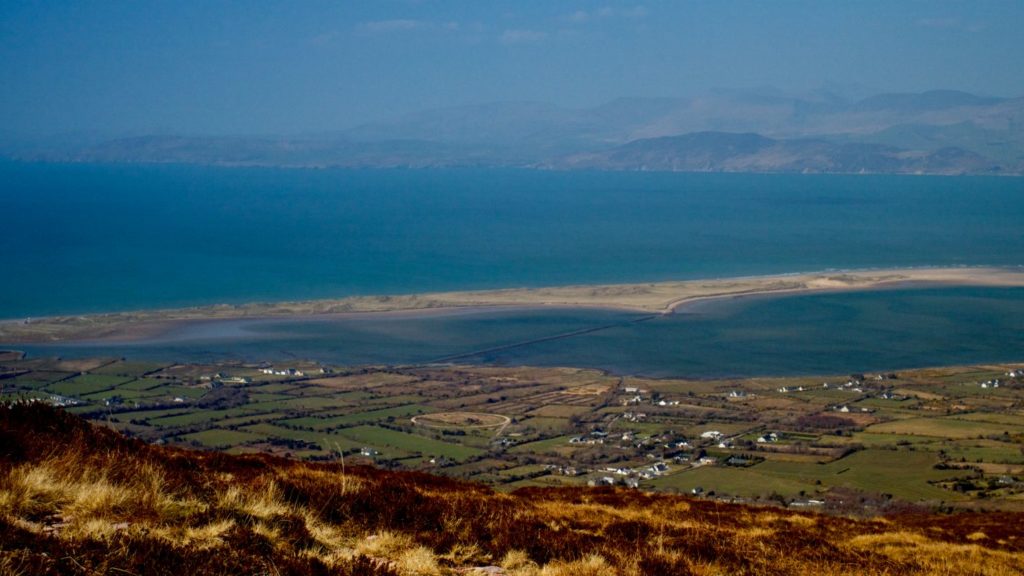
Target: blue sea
94	238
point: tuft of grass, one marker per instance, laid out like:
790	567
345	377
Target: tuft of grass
519	563
262	503
590	565
418	561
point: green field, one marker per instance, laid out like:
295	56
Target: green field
985	451
271	388
1015	420
875	440
35	379
382	415
121	392
268	396
746	482
147	414
303	403
382	438
327	442
14	396
188	418
86	384
129	369
945	427
902	473
221	438
893	450
550	445
142	384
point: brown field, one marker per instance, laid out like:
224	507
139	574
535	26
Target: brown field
460	420
595	389
363	380
559	411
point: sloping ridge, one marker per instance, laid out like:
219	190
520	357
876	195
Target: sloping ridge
750	152
76	498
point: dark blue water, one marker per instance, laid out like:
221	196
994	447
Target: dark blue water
808	334
86	238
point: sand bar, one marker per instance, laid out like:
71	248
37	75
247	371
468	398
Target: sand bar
657	297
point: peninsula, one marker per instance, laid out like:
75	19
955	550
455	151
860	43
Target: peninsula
658	297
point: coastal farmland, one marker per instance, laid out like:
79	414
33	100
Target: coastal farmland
946	437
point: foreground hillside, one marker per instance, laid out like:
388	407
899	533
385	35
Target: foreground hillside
76	498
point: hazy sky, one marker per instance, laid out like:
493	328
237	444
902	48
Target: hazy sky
294	66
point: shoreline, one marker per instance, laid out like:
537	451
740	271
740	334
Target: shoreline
652	298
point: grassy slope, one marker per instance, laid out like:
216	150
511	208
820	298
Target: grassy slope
81	499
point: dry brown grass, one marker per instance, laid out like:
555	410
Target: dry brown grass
75	499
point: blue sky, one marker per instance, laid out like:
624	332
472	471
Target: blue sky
213	67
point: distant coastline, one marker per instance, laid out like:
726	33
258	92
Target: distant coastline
657	297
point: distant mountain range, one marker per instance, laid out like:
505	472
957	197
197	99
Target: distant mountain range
936	132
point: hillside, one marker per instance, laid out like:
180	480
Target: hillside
77	498
730	152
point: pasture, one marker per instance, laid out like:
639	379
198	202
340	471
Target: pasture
909	436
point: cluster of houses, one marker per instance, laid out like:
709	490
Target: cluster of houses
294	372
563	470
595	437
630	477
1016	373
849	385
636	396
661	450
219	379
854	384
62	401
890	395
285	372
991	383
846	408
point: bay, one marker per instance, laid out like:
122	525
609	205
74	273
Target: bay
94	238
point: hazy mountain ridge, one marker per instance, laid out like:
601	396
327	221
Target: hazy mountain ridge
729	152
941	132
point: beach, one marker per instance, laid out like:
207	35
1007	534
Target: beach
657	297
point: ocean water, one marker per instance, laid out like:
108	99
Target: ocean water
824	333
90	238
